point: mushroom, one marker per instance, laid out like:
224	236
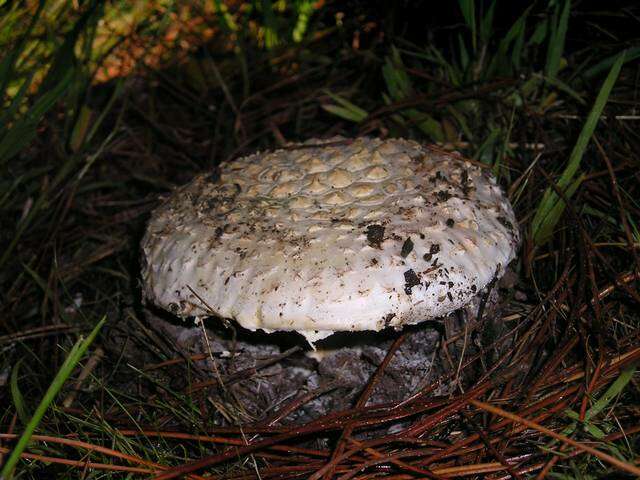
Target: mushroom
330	236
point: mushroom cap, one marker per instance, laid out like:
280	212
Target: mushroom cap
322	237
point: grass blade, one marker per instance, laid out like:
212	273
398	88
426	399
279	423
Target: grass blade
554	213
16	102
305	10
632	54
539	33
65	60
562	87
426	123
468	9
7	65
544	220
345	109
107	109
464	55
226	20
519	29
613	391
345	113
557	39
396	79
486	23
515	35
24	130
63	374
271	37
16	394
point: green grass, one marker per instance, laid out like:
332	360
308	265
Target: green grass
73	358
480	56
83	163
551	206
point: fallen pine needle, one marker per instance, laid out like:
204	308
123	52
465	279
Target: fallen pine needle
627	467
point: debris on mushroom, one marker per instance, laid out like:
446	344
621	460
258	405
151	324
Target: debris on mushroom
349	235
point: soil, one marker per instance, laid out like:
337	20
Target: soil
260	381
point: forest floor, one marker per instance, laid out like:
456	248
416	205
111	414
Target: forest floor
548	98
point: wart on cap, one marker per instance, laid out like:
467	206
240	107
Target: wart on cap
351	236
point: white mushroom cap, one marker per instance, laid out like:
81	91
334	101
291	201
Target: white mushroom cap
345	236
